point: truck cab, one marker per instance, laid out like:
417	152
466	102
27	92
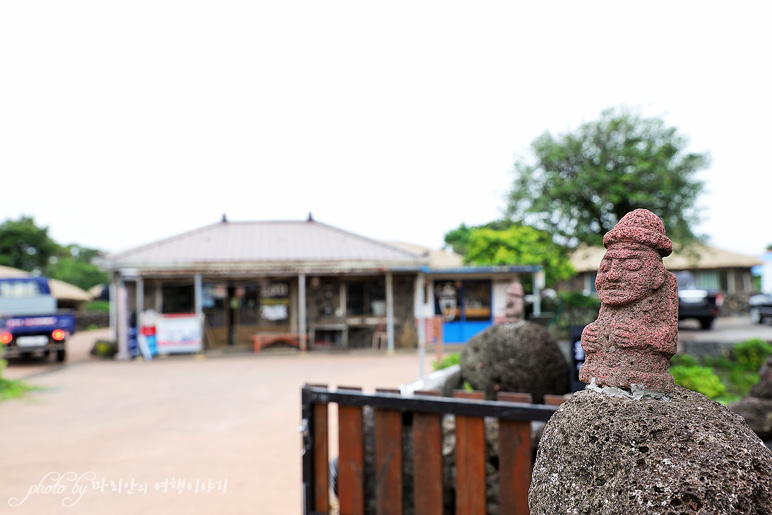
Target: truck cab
29	320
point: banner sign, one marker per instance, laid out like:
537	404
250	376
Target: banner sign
179	333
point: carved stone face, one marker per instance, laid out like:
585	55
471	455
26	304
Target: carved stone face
628	273
514	303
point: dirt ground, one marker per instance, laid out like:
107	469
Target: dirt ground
119	437
226	426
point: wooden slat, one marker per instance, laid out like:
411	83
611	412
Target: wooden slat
351	449
514	460
388	460
554	400
427	460
321	459
470	461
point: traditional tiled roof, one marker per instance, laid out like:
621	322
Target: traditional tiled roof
437	258
263	243
697	257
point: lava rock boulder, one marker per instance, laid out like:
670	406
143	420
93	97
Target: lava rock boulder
515	357
603	454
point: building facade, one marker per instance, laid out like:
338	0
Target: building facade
327	287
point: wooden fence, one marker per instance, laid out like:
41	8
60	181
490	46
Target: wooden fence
426	409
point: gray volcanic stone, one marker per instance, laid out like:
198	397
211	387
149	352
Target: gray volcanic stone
757	413
756	407
763	389
515	357
612	455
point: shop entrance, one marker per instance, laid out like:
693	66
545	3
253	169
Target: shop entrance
465	307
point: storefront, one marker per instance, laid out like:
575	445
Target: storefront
321	286
470	299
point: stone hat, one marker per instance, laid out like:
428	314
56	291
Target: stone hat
641	226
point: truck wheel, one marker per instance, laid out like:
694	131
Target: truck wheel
61	355
755	315
706	323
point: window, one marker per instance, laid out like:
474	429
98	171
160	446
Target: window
477	300
710	280
274	304
366	297
178	298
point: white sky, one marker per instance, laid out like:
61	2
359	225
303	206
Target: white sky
125	122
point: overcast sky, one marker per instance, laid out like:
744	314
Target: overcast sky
126	122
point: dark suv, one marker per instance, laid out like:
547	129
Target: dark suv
701	304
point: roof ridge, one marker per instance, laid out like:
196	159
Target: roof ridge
162	241
380	243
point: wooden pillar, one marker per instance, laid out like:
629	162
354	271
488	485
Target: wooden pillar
420	321
343	308
159	297
122	325
302	311
114	308
389	313
140	298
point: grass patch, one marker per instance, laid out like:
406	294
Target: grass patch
12	388
447	361
724	379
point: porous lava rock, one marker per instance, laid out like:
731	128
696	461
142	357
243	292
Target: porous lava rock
603	454
756	407
515	357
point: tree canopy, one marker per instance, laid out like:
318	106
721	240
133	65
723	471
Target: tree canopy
578	185
26	246
505	243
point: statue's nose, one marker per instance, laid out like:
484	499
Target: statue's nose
614	272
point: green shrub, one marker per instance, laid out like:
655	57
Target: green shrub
447	361
12	388
98	305
699	379
684	360
736	372
751	354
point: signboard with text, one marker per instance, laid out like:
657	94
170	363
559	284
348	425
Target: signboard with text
179	333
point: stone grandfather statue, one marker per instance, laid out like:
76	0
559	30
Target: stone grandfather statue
633	442
636	332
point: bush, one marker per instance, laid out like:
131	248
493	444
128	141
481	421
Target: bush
574	308
737	372
751	354
447	361
98	305
12	388
699	379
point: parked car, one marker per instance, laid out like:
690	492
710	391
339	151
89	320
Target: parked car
760	308
702	304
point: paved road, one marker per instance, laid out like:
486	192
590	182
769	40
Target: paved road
229	418
726	332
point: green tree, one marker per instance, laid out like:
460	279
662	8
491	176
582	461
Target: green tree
458	238
513	244
74	265
26	246
578	185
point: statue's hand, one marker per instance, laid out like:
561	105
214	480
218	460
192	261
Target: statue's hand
628	336
591	339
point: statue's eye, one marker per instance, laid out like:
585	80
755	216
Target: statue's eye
605	265
633	264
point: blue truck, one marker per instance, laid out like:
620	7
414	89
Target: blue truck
30	322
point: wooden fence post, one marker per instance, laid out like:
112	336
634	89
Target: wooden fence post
514	459
471	496
351	450
388	460
427	460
